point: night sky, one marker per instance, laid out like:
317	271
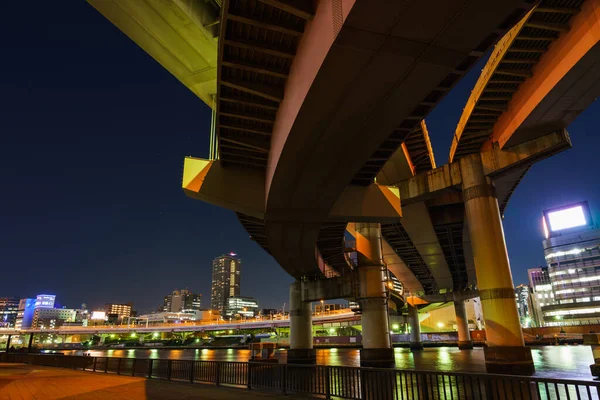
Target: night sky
93	133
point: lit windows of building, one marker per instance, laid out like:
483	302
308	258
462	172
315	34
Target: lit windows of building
122	311
182	300
43	318
25	313
243	306
572	253
225	281
9	308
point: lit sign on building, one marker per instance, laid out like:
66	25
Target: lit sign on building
45	301
96	315
571	216
565	219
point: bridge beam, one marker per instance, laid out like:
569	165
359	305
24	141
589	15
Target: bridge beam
495	164
204	180
462	324
301	335
506	351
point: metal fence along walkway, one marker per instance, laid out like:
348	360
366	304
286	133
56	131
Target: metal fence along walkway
329	381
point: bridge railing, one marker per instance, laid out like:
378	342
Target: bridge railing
329	381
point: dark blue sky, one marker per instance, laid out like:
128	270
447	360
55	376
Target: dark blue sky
92	138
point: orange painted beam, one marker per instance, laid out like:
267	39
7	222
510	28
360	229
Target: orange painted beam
562	56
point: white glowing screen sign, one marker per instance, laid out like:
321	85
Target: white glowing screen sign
567	218
98	315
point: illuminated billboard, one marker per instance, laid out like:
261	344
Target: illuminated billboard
98	315
45	301
567	217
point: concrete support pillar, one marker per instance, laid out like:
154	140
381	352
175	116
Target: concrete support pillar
415	328
505	351
8	343
301	334
377	348
462	325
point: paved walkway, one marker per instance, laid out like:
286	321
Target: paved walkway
25	382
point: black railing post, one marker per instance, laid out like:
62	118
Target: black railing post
218	374
30	343
150	368
119	366
249	376
327	384
283	378
169	366
133	367
8	344
193	365
106	366
95	360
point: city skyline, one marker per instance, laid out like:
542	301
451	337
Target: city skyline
97	237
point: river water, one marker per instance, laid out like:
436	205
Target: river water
568	362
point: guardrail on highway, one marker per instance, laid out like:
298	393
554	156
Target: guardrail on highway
329	381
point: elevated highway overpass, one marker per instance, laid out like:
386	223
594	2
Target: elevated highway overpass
319	112
192	326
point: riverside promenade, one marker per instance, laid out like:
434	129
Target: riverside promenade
29	382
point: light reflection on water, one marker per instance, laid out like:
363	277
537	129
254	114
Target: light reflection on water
550	361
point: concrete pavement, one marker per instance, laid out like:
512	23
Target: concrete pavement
27	382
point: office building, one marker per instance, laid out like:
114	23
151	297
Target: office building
50	318
523	297
121	311
25	313
9	308
225	281
572	253
181	301
242	306
541	293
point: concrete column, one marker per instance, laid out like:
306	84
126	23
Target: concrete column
377	348
415	328
301	336
462	325
505	351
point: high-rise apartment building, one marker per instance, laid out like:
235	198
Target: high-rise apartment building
9	308
225	281
182	301
121	310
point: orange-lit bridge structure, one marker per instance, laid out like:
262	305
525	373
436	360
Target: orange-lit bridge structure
319	134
